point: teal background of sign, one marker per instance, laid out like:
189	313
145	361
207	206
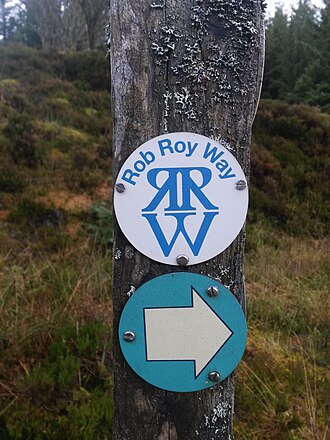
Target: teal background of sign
174	290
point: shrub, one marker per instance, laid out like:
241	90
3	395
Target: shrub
32	213
22	135
90	68
86	180
100	225
67	394
82	158
22	63
289	165
11	181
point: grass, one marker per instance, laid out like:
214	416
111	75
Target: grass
55	344
284	381
55	263
56	314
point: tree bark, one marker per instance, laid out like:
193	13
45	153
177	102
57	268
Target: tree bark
184	65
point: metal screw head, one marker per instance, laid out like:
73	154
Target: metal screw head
212	291
214	376
120	187
129	336
182	260
240	185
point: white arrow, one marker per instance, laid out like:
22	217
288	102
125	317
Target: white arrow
193	333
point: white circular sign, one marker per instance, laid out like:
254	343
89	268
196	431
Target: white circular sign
181	194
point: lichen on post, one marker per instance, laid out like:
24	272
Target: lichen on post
191	66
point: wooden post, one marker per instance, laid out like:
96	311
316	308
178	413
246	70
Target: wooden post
179	65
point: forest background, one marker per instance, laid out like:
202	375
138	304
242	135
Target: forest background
56	235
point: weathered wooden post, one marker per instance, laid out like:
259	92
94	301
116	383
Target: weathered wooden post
179	66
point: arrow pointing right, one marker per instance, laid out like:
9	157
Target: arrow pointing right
194	333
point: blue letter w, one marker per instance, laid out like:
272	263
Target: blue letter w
180	218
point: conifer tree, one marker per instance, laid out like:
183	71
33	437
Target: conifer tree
274	85
303	42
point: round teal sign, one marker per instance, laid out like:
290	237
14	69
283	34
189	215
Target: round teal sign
182	332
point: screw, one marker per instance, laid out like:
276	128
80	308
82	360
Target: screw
212	291
240	185
120	187
129	336
182	260
214	376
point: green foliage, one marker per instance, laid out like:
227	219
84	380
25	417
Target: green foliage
54	301
276	60
83	180
283	379
68	395
20	131
32	213
51	124
55	318
297	67
51	237
289	168
11	181
55	342
100	226
89	71
22	63
13	97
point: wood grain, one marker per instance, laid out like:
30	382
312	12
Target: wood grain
180	66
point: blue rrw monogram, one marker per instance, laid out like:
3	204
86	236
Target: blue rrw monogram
179	186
